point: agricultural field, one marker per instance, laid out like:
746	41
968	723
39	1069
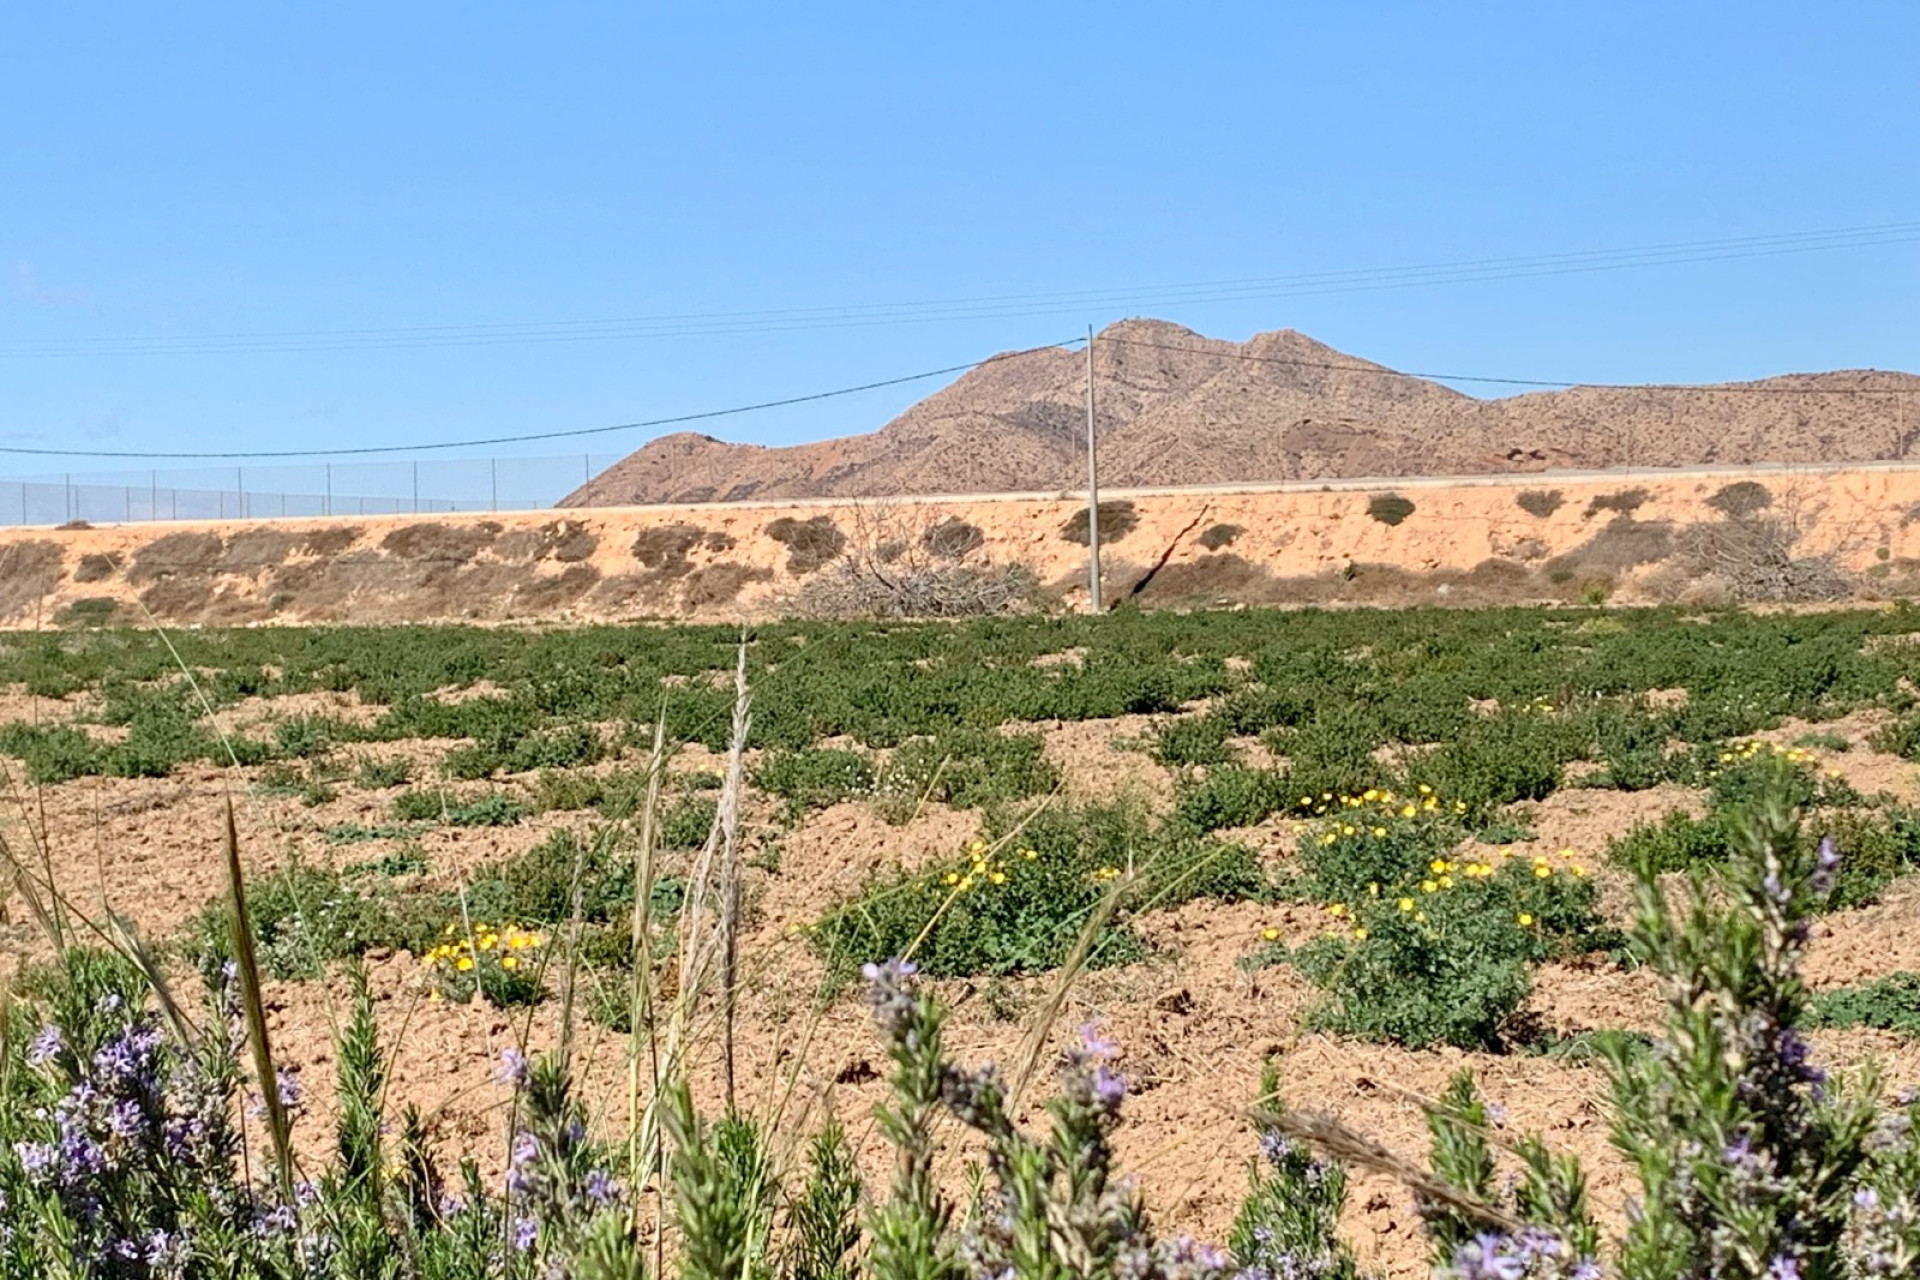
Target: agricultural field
1341	855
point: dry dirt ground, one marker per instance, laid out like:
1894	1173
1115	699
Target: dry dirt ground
1193	1022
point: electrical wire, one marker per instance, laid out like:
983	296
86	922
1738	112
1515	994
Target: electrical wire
678	420
992	307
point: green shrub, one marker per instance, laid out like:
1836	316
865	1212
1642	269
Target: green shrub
1496	760
814	777
969	768
1678	842
1191	740
371	774
1891	1003
1231	796
51	754
1446	965
686	822
1389	508
1017	903
1364	852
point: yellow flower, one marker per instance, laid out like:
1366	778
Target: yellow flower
999	877
1346	831
1337	909
1428	886
1029	854
509	962
464	963
1360	934
1371	794
1373	888
487	940
1379	831
953	877
966	883
1425	790
1526	920
1542	871
1405	904
1271	935
1437	865
1577	869
1407	811
1421	916
1446	882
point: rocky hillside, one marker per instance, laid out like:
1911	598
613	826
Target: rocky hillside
1177	408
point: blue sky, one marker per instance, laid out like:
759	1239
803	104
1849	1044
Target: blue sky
194	177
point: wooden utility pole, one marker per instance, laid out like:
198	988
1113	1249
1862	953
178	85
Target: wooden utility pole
1093	494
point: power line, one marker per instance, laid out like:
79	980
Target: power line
538	435
1003	306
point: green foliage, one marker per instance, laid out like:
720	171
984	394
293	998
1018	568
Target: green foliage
1231	796
686	822
1017	902
1891	1003
1389	508
1447	960
823	1223
373	774
724	1191
968	769
814	777
52	754
1288	1224
1191	740
1744	1156
495	809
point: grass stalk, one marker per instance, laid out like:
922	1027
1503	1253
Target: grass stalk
254	1004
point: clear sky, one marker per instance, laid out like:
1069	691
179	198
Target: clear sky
181	185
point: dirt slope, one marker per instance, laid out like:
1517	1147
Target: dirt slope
1566	537
1176	408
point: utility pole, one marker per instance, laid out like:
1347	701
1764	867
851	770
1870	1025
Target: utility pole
1093	494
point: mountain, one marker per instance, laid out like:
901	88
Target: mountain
1175	408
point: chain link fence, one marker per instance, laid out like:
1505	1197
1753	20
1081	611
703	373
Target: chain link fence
319	489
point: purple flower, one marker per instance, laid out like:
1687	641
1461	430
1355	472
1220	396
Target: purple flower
1866	1198
525	1231
45	1046
1783	1268
600	1187
514	1069
1108	1088
36	1158
1826	867
1275	1147
287	1080
1096	1046
1486	1257
890	995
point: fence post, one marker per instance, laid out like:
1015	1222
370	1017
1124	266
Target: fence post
416	486
70	502
493	470
153	495
240	493
327	508
126	504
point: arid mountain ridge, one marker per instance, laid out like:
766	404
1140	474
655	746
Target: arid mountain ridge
1176	408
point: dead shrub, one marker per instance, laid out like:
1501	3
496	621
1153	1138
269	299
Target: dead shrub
1755	556
665	550
811	543
1623	543
94	568
1541	503
1623	502
718	584
1220	535
1117	519
951	539
903	564
1741	498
